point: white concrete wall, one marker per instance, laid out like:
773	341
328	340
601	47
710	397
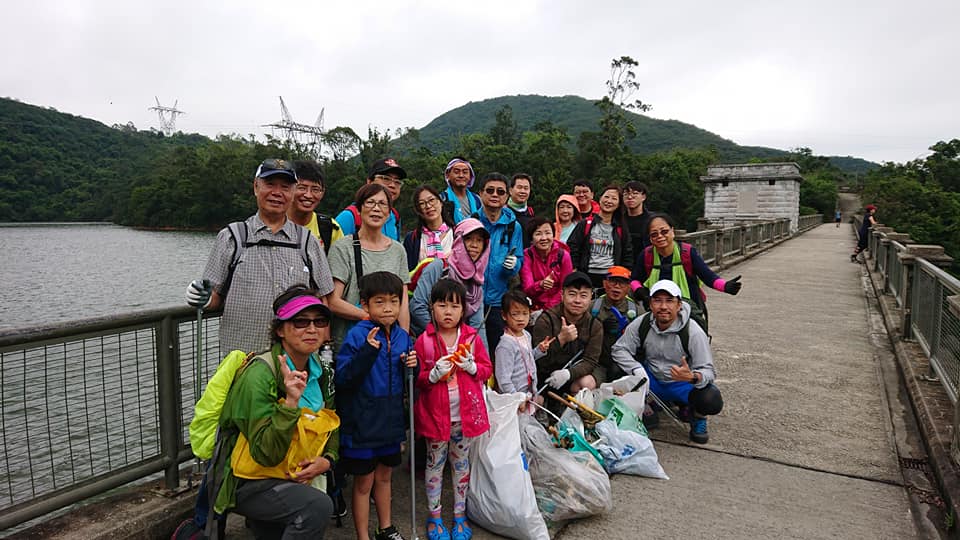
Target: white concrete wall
749	194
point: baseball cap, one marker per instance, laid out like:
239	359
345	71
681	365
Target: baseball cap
387	165
577	279
870	207
274	167
668	286
618	272
297	304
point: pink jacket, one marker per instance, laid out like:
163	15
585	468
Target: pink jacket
535	268
432	408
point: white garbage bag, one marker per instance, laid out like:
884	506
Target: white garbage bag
623	388
501	497
627	452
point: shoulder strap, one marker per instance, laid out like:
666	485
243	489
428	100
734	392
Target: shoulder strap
588	224
396	222
303	238
356	216
595	308
507	238
325	226
647	260
684	334
238	231
357	257
685	258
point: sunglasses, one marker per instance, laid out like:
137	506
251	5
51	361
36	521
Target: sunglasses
303	322
497	191
658	234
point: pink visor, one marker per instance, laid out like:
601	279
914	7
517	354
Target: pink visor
298	304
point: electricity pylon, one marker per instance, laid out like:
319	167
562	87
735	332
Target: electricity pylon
297	133
168	116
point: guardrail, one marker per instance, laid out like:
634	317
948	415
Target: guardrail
928	302
91	405
724	245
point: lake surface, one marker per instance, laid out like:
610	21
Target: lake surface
66	271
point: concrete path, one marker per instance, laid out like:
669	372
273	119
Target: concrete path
804	447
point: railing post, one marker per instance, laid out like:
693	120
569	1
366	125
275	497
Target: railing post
168	386
743	239
719	244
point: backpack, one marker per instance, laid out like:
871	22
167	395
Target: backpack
685	259
698	306
417	272
598	303
617	229
684	334
206	416
356	219
239	231
325	226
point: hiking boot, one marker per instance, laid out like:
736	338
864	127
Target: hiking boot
684	413
651	418
390	533
698	430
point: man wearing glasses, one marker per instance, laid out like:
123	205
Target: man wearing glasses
583	191
506	251
255	260
307	196
388	173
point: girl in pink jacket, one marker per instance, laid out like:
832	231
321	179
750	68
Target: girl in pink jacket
545	263
450	410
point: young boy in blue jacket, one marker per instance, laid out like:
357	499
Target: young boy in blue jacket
369	383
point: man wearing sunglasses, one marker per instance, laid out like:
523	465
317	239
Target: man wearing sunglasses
253	261
506	251
389	174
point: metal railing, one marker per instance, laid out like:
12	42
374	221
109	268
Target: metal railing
725	245
91	405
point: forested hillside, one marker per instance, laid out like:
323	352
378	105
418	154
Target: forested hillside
56	166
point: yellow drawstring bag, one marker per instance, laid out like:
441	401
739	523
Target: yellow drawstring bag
308	441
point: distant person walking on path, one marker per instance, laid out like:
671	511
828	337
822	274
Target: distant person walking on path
307	196
675	354
838	217
681	263
257	259
863	235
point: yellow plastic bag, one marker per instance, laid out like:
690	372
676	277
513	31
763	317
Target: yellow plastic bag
309	440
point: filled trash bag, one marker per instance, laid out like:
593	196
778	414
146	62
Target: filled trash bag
568	484
501	497
627	452
622	415
629	390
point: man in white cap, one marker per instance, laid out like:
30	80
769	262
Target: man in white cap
674	353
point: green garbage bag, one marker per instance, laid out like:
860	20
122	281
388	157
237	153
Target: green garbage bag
574	437
622	415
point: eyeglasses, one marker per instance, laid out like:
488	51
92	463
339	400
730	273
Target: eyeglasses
581	192
303	322
427	203
389	180
303	188
370	204
632	193
658	234
497	191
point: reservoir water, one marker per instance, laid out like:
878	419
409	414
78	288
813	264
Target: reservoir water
65	271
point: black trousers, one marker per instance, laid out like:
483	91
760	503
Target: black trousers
281	509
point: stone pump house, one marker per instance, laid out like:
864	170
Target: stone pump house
744	192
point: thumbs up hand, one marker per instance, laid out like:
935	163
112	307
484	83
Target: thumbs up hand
568	332
682	372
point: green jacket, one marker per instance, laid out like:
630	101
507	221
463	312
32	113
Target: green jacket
252	408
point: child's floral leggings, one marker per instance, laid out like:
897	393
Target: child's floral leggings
437	452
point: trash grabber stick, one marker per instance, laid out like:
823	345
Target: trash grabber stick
413	461
666	408
197	385
570	363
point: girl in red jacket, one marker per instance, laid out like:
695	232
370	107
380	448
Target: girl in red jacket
450	410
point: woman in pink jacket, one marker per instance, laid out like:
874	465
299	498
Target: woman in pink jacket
545	263
449	409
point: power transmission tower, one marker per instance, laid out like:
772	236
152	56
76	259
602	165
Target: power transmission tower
297	133
168	116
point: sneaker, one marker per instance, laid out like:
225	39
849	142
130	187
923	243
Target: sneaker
390	533
698	430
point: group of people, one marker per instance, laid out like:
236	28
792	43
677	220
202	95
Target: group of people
482	291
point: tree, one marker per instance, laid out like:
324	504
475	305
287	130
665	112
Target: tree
505	131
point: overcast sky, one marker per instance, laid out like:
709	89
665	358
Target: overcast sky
878	80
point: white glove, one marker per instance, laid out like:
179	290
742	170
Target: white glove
468	364
440	369
558	378
510	262
199	292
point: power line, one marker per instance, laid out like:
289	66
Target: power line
167	116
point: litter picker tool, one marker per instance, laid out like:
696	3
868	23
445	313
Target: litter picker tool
413	460
198	386
570	363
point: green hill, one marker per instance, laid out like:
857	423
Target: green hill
576	115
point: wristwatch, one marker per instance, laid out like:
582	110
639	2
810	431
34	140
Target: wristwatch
696	377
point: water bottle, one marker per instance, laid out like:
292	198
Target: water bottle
326	355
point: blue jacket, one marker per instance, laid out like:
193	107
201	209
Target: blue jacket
369	385
452	204
506	238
